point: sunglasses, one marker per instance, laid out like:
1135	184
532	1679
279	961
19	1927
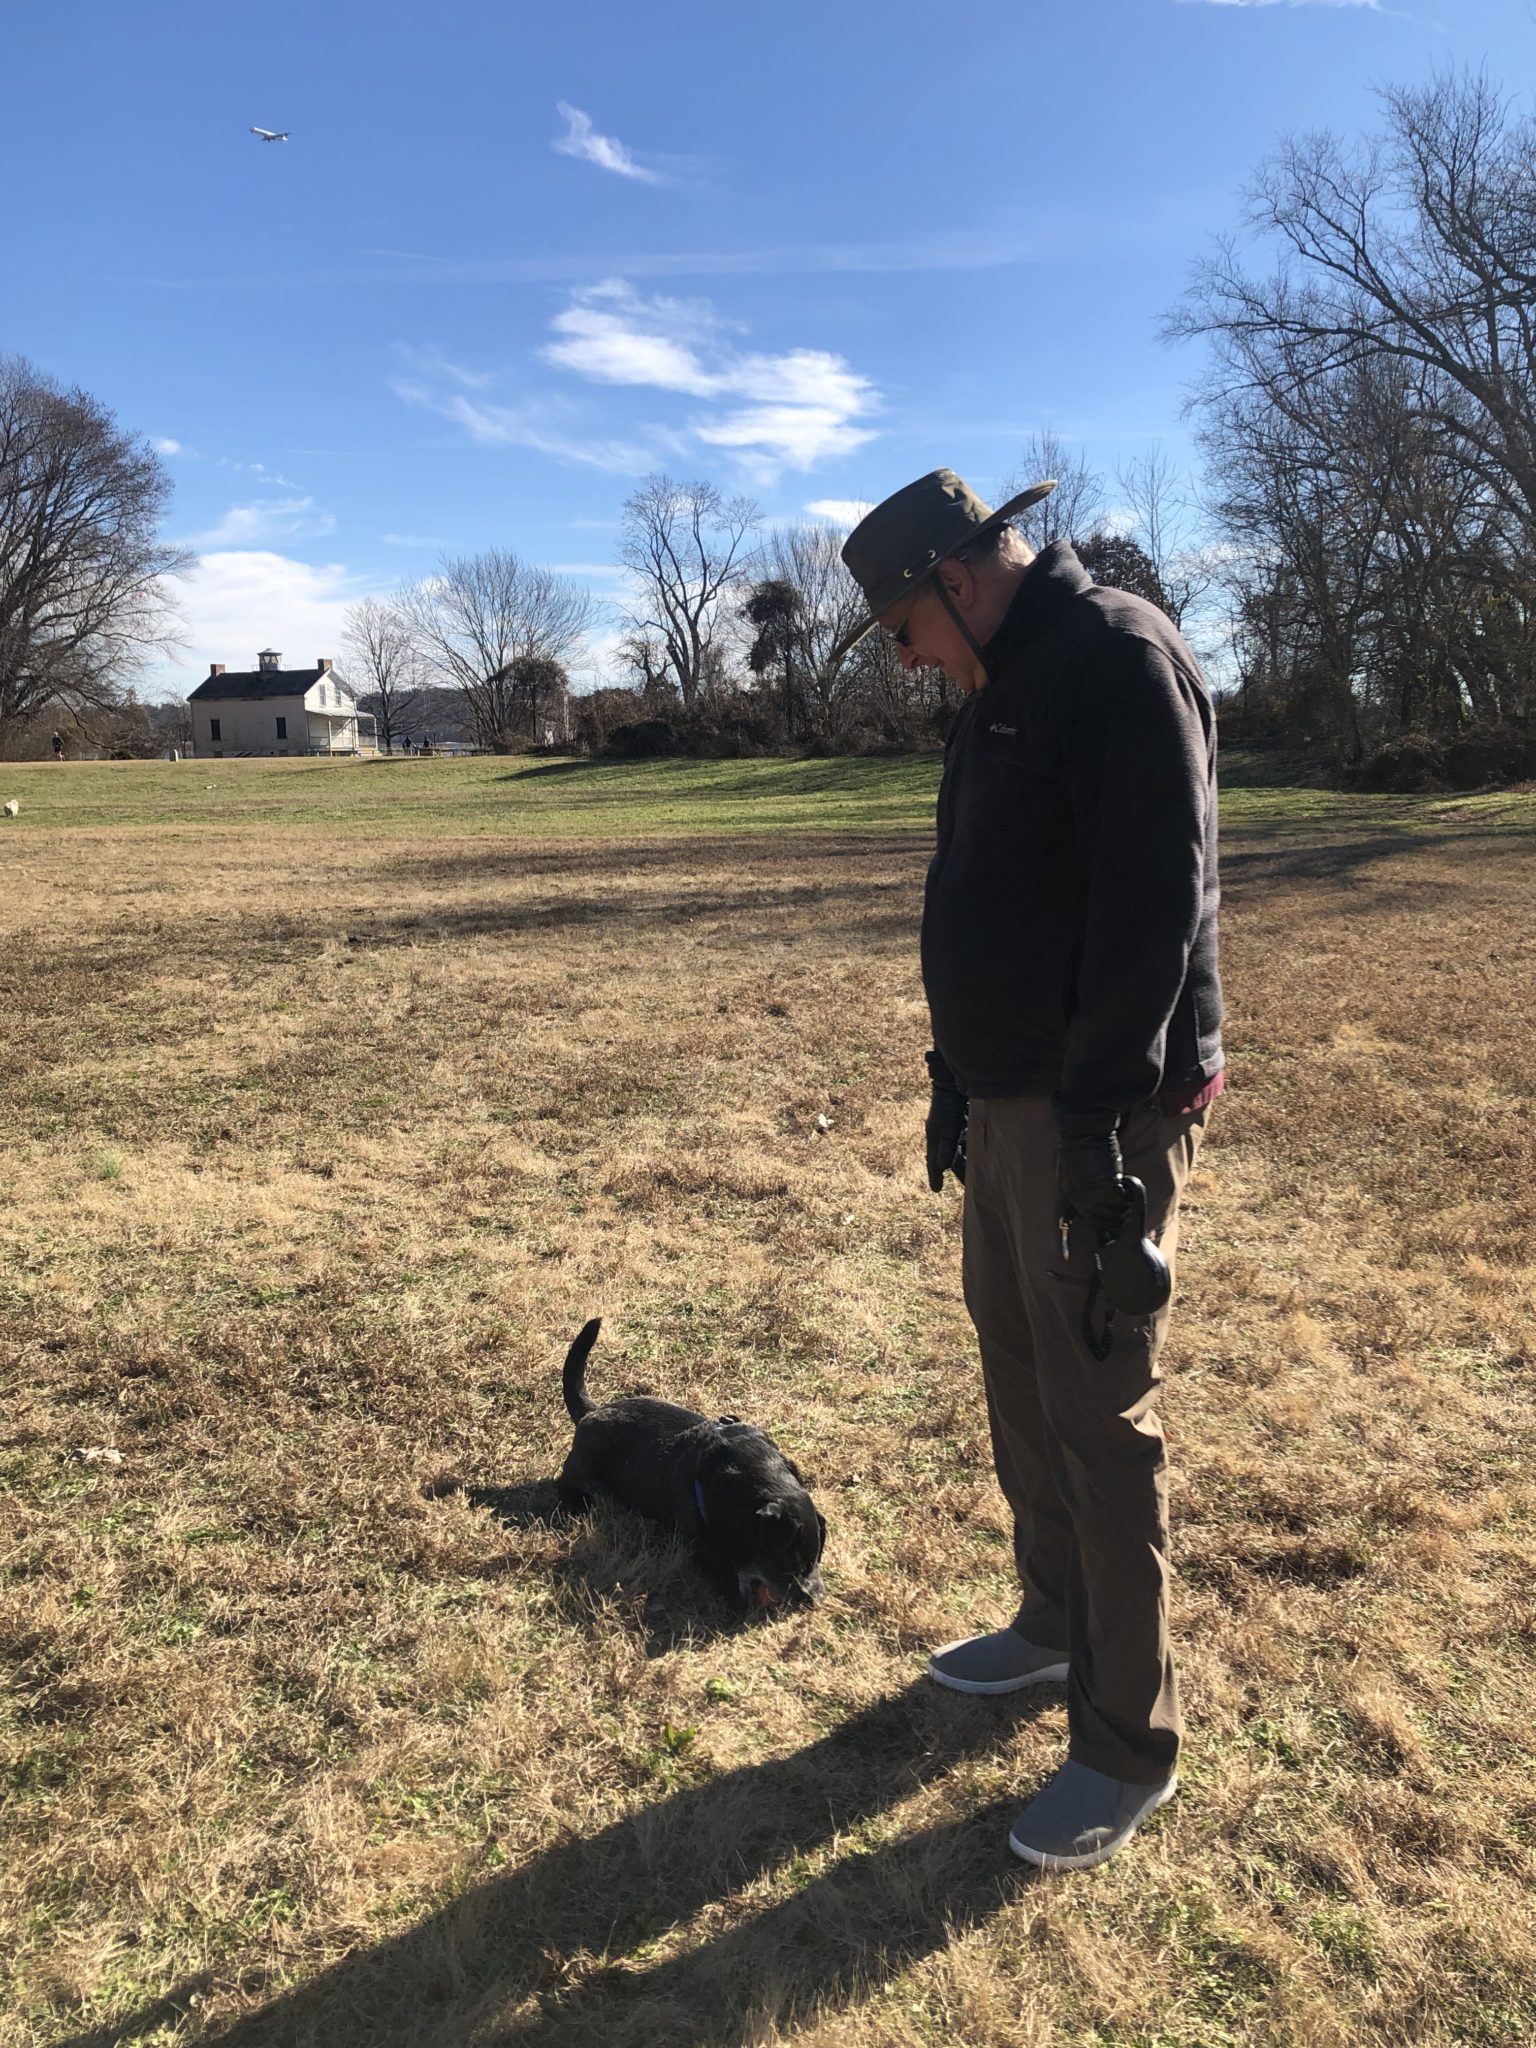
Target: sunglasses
902	634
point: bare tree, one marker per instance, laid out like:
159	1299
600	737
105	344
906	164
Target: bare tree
807	561
83	595
1073	510
385	664
478	617
641	658
1369	414
1167	530
683	544
1419	244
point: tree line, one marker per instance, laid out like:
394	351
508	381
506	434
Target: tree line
1368	421
1357	562
729	641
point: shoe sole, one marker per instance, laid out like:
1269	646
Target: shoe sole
1048	1674
1043	1860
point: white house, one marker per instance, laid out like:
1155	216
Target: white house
275	710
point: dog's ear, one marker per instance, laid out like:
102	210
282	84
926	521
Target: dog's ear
773	1509
821	1540
794	1471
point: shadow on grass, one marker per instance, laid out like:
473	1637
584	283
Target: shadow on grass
547	768
723	854
768	776
535	1504
616	1558
838	906
870	888
1355	861
572	1946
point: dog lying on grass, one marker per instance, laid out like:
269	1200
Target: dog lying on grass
754	1528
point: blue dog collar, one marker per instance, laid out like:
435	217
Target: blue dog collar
698	1500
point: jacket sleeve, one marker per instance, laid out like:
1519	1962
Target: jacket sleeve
1139	773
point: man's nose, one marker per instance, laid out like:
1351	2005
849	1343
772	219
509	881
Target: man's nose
907	656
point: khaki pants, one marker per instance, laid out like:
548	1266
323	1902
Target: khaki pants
1077	1443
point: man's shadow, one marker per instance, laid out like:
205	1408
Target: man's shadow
573	1946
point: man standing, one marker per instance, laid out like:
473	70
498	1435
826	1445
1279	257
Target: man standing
1069	960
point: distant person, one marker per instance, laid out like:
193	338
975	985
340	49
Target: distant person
1069	961
58	746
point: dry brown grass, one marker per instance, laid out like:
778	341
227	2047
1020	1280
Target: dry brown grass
318	1152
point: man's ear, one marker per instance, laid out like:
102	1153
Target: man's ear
959	580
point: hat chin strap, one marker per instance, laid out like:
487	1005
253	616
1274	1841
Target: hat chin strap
961	627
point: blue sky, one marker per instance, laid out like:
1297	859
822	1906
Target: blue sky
514	256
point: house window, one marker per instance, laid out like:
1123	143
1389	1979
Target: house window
213	730
282	728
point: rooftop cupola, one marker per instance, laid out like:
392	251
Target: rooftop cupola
269	658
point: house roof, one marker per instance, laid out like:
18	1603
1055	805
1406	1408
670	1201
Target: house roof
265	682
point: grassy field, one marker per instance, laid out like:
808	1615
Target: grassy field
336	1097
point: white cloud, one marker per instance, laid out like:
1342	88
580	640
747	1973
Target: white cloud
239	600
414	540
614	337
802	403
266	519
267	479
166	446
530	425
771	412
841	511
768	438
433	363
1120	519
1374	6
581	139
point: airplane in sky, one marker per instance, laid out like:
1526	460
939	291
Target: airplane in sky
271	134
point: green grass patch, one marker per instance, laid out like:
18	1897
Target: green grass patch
564	799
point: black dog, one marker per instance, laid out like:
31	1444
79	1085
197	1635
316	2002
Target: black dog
754	1527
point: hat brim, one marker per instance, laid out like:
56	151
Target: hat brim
1015	505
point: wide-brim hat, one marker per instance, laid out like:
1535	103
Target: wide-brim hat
898	545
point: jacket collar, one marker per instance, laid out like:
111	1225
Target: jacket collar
1051	578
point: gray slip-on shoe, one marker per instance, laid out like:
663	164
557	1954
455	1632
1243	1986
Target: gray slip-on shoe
1081	1818
1000	1662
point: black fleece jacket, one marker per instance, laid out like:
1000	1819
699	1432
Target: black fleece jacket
1069	924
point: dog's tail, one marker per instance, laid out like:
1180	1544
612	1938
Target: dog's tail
575	1382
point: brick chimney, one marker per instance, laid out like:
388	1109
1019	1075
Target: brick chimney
215	668
323	661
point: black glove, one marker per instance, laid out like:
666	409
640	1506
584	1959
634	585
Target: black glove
1089	1167
947	1111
